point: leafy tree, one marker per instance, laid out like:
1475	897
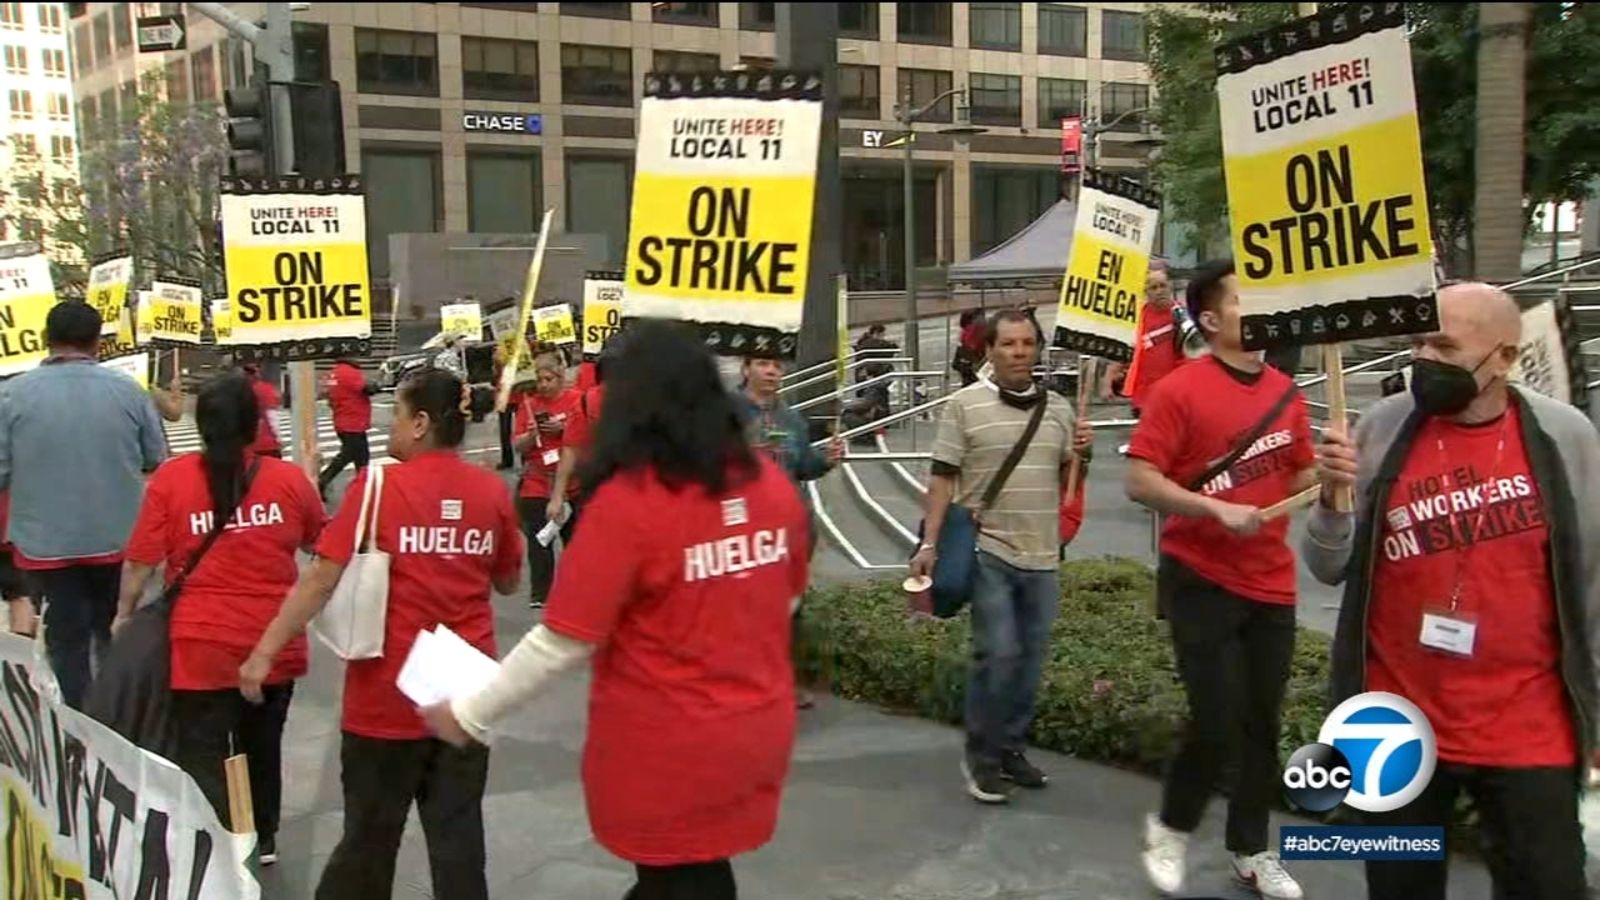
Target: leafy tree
1563	122
147	183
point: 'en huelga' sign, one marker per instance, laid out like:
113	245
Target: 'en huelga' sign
1104	286
27	294
720	234
108	289
296	255
1325	187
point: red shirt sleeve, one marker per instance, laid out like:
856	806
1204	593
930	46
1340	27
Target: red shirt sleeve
337	543
599	570
1161	434
147	543
1071	514
800	554
508	556
311	512
524	421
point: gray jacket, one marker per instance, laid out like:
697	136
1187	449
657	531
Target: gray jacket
75	442
1564	454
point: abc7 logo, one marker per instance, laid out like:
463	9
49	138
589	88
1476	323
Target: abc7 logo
1375	752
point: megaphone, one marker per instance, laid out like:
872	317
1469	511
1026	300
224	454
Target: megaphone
1190	337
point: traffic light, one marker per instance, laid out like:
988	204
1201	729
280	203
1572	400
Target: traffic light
318	131
249	130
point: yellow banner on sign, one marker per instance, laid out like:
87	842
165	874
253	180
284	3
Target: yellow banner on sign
36	869
222	321
296	256
135	366
602	312
553	325
108	290
465	319
122	341
173	312
27	294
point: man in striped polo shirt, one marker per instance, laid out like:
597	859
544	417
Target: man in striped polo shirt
1016	594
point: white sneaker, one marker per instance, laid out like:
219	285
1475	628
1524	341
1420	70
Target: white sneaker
1123	448
1164	851
1264	872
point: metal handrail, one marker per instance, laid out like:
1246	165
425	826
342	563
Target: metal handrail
842	392
849	365
829	363
1315	380
1537	278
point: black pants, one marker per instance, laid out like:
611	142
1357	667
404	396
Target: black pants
1233	655
214	725
541	560
352	451
1528	822
690	881
381	779
507	460
82	602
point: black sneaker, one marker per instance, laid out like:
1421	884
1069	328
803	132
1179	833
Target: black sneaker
984	782
1015	768
268	847
536	603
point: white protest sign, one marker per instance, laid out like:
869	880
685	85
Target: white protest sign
1103	288
602	310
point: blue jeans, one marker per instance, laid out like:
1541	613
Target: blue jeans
1012	610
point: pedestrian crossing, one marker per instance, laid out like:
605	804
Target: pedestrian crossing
184	437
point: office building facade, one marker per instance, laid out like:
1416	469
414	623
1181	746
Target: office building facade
37	133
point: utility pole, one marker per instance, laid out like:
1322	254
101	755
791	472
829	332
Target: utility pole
273	46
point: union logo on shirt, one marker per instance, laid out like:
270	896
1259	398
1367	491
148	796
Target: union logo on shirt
1453	509
1259	461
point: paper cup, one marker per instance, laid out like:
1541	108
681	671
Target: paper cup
919	591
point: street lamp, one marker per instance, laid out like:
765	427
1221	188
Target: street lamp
962	128
1092	129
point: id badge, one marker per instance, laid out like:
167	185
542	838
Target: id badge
551	457
1452	631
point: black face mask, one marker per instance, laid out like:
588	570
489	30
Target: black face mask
1444	389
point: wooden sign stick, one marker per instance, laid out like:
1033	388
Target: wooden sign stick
241	807
1291	503
508	377
1086	373
1344	499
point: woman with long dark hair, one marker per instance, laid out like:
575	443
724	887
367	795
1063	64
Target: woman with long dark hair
679	583
451	532
229	596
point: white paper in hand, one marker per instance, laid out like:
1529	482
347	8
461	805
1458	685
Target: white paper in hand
547	533
442	666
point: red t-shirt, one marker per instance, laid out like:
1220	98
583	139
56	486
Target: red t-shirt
586	412
347	394
539	461
238	587
972	337
267	399
586	376
450	527
1195	416
690	605
1506	704
1157	350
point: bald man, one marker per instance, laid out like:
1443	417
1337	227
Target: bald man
1472	588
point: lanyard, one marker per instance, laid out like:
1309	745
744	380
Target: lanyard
1465	558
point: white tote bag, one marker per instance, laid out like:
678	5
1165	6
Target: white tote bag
352	622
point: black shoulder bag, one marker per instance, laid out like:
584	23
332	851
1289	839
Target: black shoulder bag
132	691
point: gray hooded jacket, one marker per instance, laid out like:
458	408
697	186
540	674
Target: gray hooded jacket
1564	454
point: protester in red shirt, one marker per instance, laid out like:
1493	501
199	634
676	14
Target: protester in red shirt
351	398
451	531
542	417
267	399
1156	351
229	594
1471	577
580	425
1220	439
679	585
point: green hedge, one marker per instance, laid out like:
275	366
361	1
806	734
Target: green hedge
1109	693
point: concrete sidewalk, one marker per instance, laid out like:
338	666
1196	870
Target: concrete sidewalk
874	810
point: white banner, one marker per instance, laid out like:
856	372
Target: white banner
1550	360
602	310
1103	288
89	815
108	290
27	293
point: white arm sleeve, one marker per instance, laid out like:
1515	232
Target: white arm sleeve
538	657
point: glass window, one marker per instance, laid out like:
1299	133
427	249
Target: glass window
858	20
503	193
55	63
16	60
82	49
61	148
685	13
122	26
1122	35
108	108
129	96
49	17
757	16
11	16
924	23
1118	99
596	76
996	26
26	144
1059	98
21	105
1063	30
177	81
402	198
203	65
858	92
756	63
88	118
599	191
60	107
598	10
238	63
397	62
102	37
872	231
995	99
311	52
493	69
685	63
1007	200
918	86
